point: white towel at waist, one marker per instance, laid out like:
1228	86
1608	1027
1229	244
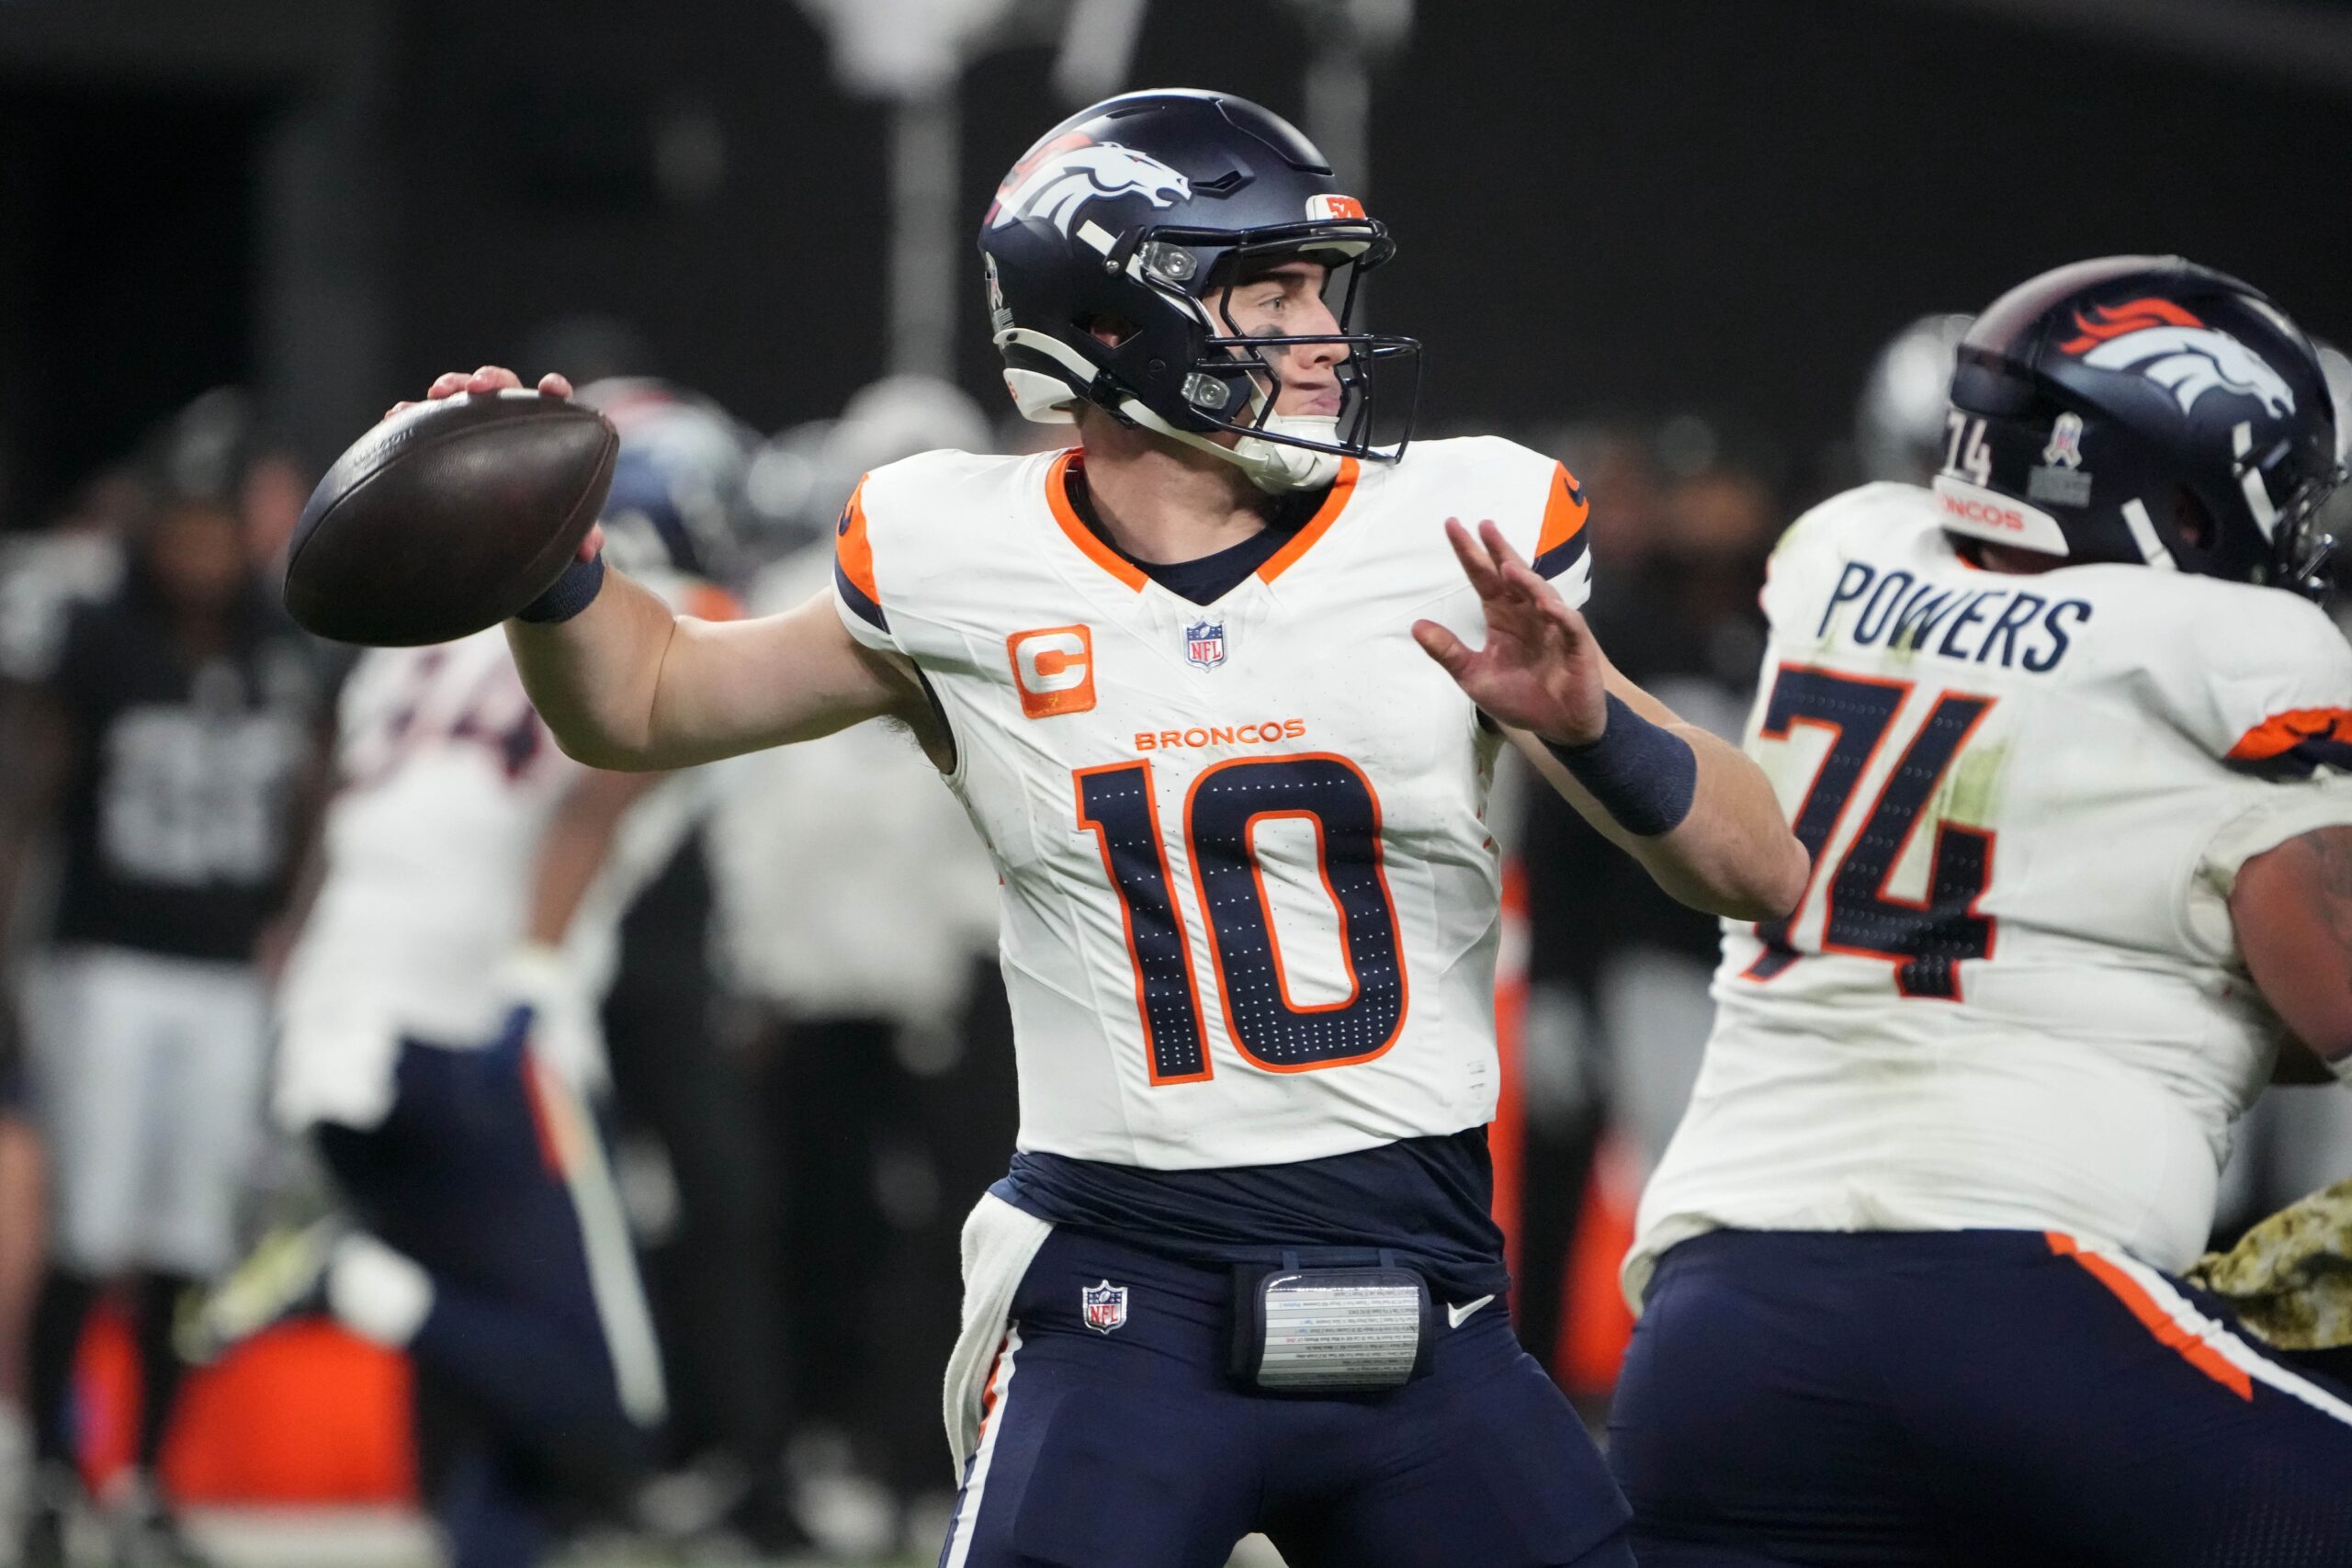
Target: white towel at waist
999	1243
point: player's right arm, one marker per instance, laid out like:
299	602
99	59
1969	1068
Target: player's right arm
2267	692
629	684
2291	908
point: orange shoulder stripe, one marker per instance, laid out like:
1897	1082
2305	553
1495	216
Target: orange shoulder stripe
1564	512
2282	732
853	551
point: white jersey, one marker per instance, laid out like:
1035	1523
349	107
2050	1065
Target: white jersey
448	781
2012	996
1250	907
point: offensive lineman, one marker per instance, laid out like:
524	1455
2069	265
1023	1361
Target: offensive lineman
2059	735
1249	908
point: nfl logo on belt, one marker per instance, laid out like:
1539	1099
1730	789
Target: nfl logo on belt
1204	643
1105	1305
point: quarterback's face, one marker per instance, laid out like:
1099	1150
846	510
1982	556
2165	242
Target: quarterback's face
1286	301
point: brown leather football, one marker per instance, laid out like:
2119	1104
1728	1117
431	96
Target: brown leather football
448	518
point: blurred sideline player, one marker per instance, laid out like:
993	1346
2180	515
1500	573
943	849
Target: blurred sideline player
77	557
2063	735
682	1109
862	922
1203	688
438	1037
172	744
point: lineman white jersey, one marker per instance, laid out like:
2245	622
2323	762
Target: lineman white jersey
1250	907
448	781
2012	996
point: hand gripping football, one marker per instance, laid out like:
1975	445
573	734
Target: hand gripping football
448	517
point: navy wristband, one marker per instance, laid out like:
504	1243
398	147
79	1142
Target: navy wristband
1642	775
568	595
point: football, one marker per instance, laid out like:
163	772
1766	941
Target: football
447	518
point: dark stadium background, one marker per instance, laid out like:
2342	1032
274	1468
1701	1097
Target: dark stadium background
1722	205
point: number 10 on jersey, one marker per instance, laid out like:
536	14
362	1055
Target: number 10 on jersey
1117	803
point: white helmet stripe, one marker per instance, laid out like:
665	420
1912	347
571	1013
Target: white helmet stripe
2144	533
2257	494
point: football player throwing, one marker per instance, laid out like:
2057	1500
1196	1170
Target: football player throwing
1206	684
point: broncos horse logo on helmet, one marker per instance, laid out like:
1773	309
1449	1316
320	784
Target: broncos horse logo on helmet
1110	250
2178	351
1054	187
2197	433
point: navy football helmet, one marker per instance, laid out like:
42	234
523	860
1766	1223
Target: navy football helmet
1134	216
680	500
2145	409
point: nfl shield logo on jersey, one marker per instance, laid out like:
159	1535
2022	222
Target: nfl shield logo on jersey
1204	643
1105	1305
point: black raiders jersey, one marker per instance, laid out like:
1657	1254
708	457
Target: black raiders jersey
178	816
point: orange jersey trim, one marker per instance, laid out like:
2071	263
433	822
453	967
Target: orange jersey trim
2282	732
853	551
1334	503
1100	554
2154	1318
1134	576
1564	511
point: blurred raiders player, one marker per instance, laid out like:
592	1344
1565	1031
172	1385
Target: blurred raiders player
172	745
2062	734
1202	683
438	1033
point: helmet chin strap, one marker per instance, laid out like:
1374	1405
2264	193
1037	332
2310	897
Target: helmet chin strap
1274	467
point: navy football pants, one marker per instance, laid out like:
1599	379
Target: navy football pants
1133	1449
463	1178
1963	1399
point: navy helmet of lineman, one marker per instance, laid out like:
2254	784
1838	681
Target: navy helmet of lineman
2144	410
1107	252
680	499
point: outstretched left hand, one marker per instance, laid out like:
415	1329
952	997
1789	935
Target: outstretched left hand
1541	670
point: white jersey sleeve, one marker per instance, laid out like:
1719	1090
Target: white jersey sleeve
891	543
2282	713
